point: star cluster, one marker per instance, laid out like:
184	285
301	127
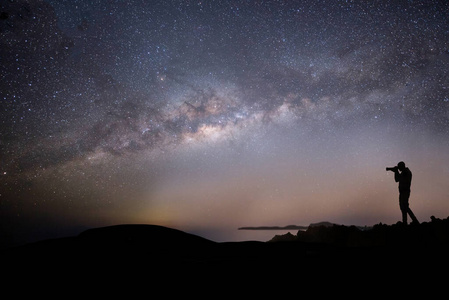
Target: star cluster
116	110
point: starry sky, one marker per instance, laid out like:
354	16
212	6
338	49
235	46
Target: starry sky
206	116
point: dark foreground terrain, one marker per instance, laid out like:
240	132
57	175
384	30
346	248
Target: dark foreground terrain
150	253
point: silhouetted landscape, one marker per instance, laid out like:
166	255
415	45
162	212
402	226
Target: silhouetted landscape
129	248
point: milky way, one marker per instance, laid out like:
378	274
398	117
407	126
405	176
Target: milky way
211	115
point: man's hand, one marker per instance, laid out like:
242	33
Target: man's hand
394	169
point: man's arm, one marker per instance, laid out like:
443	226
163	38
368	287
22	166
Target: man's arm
397	176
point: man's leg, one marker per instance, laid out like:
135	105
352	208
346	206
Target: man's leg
403	205
412	216
403	208
404	217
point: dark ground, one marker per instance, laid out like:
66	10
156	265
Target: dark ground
138	255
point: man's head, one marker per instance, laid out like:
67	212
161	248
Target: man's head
401	166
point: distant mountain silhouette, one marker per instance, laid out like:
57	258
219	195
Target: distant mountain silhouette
325	224
288	227
295	227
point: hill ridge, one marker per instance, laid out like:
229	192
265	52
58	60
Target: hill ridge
133	247
435	232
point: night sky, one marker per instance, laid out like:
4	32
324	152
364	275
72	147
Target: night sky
206	116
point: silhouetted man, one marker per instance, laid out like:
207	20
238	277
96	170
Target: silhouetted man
403	175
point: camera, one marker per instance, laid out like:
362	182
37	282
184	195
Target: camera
394	169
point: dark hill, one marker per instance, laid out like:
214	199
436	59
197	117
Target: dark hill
117	245
147	236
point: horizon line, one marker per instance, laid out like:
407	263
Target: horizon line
288	227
